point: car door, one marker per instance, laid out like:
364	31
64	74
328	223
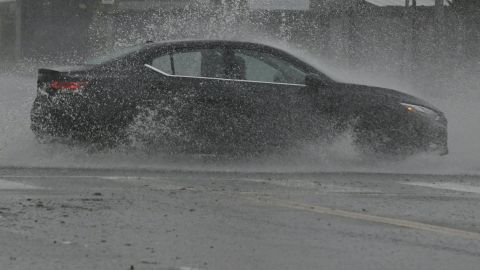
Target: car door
280	103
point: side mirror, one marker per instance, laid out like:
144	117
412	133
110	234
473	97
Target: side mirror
315	80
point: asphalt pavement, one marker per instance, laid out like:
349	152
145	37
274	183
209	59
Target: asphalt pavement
159	219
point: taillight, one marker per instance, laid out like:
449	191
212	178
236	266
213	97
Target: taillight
72	86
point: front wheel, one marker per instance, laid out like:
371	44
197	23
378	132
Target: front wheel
387	136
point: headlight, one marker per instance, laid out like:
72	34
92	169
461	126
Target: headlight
420	109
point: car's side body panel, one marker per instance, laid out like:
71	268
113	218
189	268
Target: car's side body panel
221	113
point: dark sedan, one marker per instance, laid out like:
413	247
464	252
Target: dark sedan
226	97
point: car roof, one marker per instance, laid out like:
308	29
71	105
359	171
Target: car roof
206	42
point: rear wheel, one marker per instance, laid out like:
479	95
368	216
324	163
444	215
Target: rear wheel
50	126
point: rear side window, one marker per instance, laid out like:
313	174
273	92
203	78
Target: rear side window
185	64
200	63
188	64
164	64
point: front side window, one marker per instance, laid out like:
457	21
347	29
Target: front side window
264	67
201	63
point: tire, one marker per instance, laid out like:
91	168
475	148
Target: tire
50	127
383	136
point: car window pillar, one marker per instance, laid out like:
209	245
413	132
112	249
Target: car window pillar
172	64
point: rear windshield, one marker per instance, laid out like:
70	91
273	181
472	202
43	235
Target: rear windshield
115	54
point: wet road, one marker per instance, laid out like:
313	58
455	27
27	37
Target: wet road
146	219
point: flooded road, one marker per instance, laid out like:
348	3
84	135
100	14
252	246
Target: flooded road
147	219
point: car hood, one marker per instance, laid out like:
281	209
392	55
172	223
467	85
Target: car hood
379	93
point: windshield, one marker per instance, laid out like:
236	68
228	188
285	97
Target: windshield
115	54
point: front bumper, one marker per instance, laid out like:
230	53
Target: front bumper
432	134
439	143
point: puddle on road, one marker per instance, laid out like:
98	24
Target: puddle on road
9	185
448	186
